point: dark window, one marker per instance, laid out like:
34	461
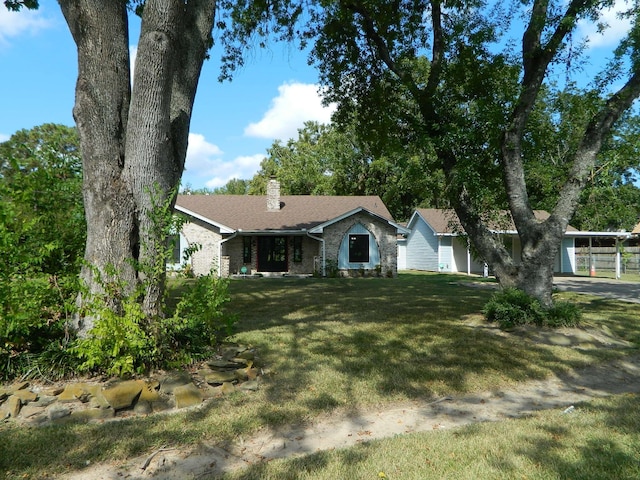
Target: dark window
246	249
297	249
358	248
279	252
173	246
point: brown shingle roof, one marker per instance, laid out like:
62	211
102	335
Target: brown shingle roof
446	220
297	212
636	229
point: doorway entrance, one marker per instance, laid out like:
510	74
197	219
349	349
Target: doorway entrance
272	254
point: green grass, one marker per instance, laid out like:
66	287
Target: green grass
346	344
599	440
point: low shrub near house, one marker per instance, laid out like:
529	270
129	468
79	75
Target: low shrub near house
512	307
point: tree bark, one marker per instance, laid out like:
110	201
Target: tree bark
133	143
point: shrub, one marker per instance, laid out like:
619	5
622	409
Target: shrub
126	342
199	321
34	311
118	343
512	307
564	314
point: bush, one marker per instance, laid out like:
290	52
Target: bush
512	307
118	343
34	312
200	321
564	314
128	342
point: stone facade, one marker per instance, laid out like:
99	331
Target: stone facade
385	236
224	254
208	239
205	259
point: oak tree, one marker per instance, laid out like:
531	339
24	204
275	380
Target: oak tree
470	86
133	131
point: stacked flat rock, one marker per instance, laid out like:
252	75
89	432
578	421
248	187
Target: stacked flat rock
233	369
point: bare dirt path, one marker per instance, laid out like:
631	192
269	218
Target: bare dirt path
345	430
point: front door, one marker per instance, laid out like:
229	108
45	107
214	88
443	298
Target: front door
272	254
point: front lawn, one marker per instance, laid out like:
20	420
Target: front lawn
332	345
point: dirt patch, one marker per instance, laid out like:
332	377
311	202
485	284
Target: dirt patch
561	392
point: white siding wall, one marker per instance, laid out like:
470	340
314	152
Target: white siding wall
460	255
422	248
343	254
446	261
183	244
402	254
568	253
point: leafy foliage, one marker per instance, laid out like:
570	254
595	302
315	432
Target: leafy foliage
42	233
34	311
512	307
42	225
125	340
332	160
199	317
118	343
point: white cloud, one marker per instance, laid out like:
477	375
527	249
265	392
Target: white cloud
13	24
201	155
243	167
4	138
295	104
616	27
205	164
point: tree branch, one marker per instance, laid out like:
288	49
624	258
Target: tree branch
536	58
585	157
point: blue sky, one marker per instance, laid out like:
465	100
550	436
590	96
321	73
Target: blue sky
233	124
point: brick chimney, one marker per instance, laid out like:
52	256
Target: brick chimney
273	195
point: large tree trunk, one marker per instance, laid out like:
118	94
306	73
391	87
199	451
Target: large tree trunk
540	240
133	143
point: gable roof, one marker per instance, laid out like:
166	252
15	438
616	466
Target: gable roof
446	221
636	229
297	212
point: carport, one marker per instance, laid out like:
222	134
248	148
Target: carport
596	243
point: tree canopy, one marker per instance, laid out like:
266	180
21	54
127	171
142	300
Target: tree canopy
42	225
333	160
465	78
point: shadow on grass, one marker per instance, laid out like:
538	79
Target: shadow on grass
598	441
407	336
330	343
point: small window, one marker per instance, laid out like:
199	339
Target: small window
246	249
297	249
173	246
358	248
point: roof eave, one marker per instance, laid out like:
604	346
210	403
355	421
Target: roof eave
224	229
273	231
320	228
